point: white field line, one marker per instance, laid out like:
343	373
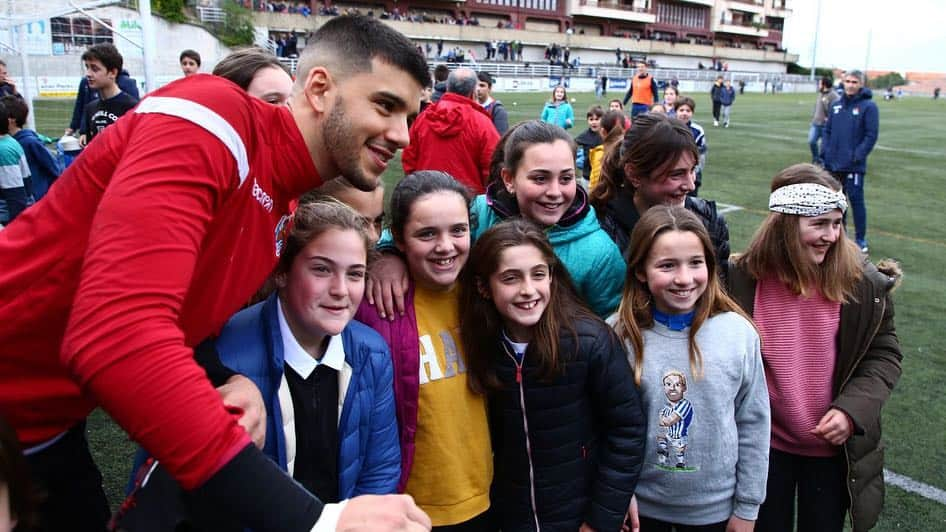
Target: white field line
914	486
723	208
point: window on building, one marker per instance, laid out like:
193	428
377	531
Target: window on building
76	33
683	15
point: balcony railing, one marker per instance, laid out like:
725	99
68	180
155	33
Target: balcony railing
615	5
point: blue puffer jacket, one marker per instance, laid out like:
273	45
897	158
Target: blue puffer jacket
369	457
588	253
727	95
850	133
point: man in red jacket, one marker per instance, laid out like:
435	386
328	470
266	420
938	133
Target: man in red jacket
455	135
151	239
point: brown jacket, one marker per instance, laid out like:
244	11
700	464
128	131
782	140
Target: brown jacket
867	368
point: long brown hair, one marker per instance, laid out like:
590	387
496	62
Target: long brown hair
652	145
481	325
634	313
776	248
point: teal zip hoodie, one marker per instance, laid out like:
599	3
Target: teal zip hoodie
591	257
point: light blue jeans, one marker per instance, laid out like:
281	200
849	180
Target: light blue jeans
815	134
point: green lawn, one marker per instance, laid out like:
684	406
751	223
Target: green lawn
906	220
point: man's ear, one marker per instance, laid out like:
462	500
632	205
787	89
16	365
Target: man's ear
318	82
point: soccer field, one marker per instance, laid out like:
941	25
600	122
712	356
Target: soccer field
906	221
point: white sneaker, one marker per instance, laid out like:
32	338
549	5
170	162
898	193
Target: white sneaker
726	124
715	123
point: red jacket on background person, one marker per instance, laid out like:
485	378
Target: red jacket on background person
456	136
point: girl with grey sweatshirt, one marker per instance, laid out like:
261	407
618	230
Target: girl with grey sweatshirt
697	360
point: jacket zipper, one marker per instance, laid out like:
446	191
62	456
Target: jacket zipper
525	427
847	456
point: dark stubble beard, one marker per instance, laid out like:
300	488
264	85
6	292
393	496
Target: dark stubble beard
344	148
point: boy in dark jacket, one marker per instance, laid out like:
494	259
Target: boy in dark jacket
588	139
726	98
103	64
43	168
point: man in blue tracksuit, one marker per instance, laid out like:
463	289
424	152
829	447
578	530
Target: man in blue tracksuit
849	135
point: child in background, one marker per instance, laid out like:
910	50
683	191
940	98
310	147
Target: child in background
190	62
43	168
685	108
565	417
611	132
450	472
588	139
103	63
670	100
15	186
727	96
831	353
695	356
658	108
558	111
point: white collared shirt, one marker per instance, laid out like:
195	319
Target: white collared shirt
299	359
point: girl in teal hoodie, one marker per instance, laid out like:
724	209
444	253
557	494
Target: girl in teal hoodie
558	111
532	175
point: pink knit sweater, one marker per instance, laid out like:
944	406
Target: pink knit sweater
799	349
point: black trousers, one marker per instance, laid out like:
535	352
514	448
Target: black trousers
70	484
818	483
716	108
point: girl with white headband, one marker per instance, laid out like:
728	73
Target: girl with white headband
831	355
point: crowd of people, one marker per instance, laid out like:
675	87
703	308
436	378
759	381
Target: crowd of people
549	332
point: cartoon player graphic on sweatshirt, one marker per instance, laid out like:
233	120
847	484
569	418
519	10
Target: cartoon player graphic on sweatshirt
674	420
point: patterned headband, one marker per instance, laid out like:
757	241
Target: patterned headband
806	199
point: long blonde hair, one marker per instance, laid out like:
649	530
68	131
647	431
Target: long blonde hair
776	248
634	313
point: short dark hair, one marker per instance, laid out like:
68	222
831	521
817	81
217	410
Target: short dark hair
685	100
107	54
441	72
16	109
485	78
240	66
4	120
347	45
595	110
192	54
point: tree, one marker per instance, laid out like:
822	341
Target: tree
891	79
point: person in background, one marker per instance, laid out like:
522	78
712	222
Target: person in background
826	98
494	108
190	62
441	72
7	86
15	186
643	91
86	94
588	139
259	73
557	110
727	96
671	94
850	134
611	132
103	63
715	97
685	109
43	168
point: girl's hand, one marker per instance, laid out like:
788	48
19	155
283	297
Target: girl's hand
632	522
585	528
386	285
736	524
835	427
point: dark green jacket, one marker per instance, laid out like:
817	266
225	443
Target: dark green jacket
867	368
